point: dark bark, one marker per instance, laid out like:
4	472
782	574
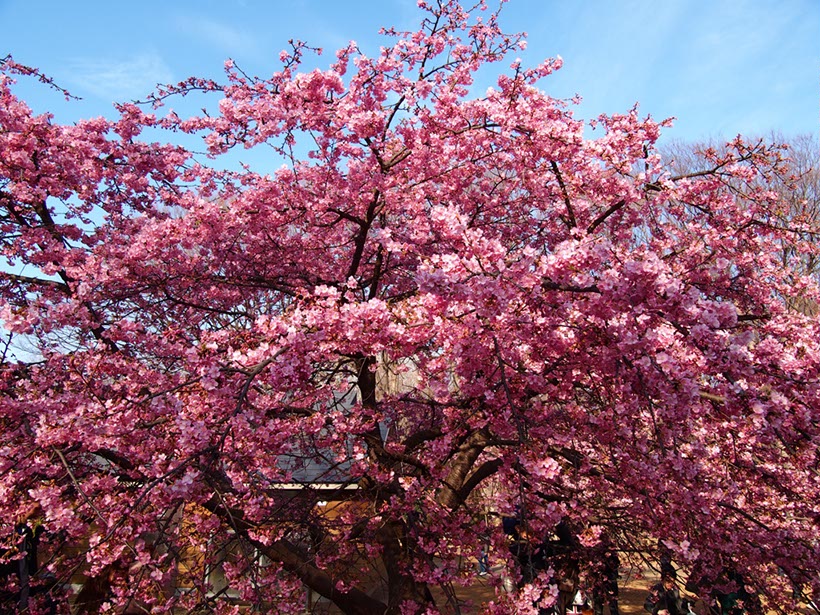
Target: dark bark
293	559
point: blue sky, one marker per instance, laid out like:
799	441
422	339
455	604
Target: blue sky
722	67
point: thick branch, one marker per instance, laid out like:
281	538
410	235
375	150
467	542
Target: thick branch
602	218
361	236
460	465
24	279
296	561
550	285
571	223
483	472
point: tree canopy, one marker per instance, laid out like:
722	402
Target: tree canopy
443	308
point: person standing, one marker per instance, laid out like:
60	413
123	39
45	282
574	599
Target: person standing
664	598
605	571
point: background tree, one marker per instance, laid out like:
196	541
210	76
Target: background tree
796	185
610	348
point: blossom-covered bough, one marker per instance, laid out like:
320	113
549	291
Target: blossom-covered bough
443	308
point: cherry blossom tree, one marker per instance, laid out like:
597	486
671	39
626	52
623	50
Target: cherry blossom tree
435	308
797	182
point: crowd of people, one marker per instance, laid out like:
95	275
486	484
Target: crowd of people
599	567
573	566
563	554
728	595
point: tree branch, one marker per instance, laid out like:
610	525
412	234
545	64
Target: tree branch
602	218
571	223
294	560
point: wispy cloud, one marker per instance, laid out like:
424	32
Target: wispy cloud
230	40
744	68
118	80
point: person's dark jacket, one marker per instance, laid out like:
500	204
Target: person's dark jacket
661	598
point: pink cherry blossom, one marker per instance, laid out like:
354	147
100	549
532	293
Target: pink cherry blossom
440	310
